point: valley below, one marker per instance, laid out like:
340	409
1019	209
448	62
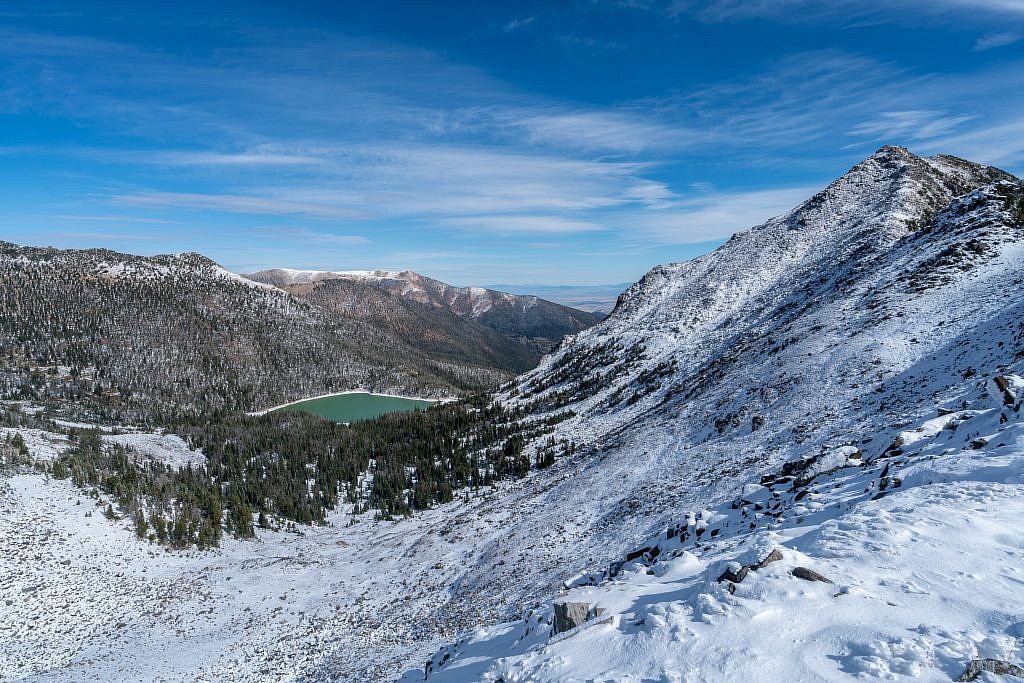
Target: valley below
355	599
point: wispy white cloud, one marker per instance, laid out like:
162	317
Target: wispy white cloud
999	143
254	157
994	40
504	223
846	11
517	24
236	204
914	124
93	235
291	233
244	100
603	131
651	193
112	218
797	99
468	179
713	216
817	103
1010	6
454	186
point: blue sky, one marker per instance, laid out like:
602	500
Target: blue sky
526	142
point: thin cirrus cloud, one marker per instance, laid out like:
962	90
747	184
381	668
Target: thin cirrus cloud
432	180
242	158
712	216
517	24
1001	144
292	234
112	218
820	96
604	131
515	224
909	125
990	41
844	10
235	204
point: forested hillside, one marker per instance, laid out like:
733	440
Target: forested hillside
435	331
291	467
149	337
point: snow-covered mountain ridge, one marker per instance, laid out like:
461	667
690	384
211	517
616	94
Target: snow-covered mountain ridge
893	293
822	291
469	301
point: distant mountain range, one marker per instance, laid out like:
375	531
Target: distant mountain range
529	320
599	299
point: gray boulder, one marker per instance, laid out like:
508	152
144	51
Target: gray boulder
809	575
994	666
569	615
773	556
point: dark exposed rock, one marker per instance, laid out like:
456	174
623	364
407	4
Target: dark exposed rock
639	552
735	577
1004	386
773	556
995	666
569	615
809	575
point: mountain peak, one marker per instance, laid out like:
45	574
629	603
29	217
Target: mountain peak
892	192
893	151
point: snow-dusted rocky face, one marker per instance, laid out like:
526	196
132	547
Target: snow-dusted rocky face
894	292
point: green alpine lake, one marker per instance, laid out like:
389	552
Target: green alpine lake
356	406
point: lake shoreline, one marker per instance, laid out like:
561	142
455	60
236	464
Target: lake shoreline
258	413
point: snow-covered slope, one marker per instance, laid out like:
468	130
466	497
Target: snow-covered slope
539	323
894	292
917	565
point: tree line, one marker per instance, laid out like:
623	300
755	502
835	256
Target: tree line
287	468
